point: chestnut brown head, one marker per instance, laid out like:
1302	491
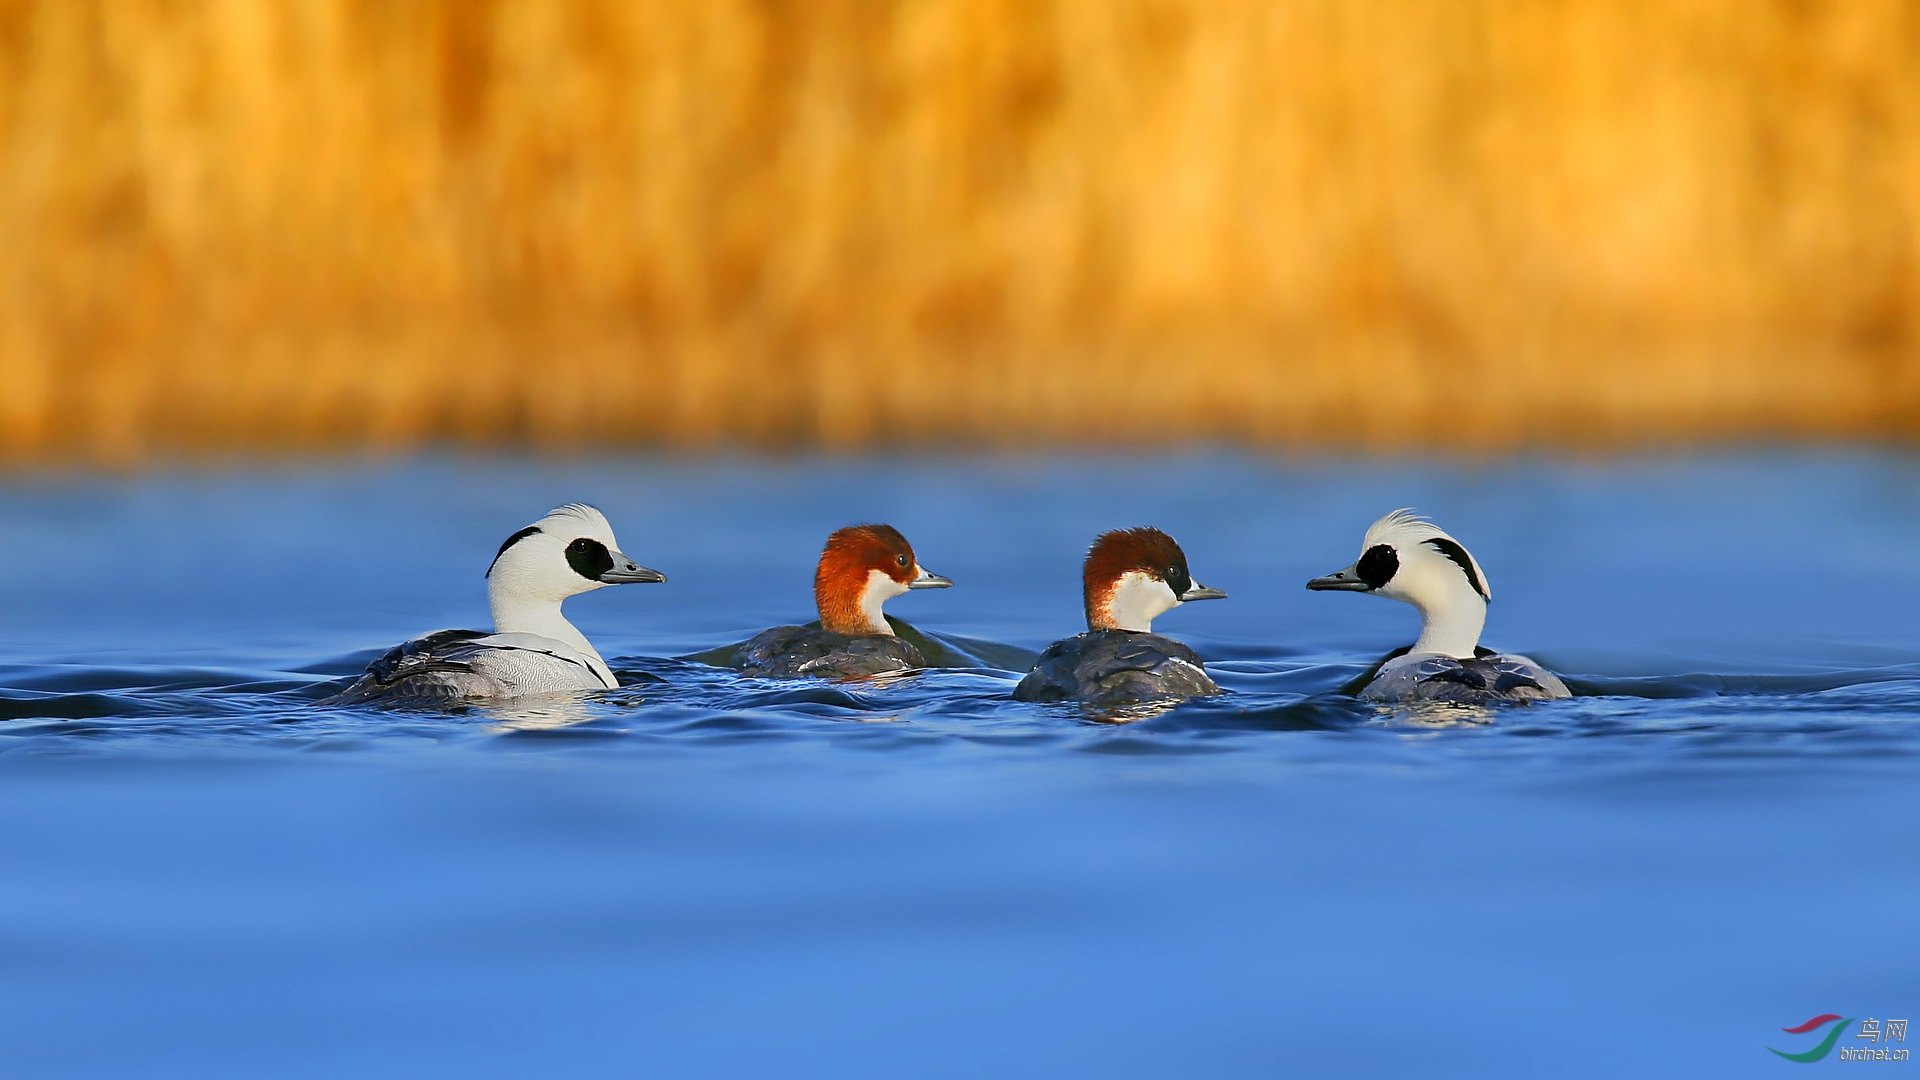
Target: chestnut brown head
861	568
1133	575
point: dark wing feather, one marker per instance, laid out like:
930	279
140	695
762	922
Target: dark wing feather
419	655
786	652
1113	666
1360	681
395	677
1489	678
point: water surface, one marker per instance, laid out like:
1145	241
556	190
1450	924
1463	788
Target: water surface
207	875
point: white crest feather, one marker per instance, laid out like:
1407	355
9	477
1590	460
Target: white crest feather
586	521
1401	525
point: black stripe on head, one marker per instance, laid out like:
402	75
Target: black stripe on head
511	540
1460	557
589	558
1378	565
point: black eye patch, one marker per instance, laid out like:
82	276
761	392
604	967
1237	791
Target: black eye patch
589	558
1460	557
511	540
1178	579
1378	565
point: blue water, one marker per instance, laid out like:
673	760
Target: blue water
202	874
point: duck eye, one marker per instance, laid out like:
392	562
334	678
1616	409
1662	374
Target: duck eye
589	558
901	559
1378	565
1177	578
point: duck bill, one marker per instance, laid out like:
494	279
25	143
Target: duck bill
627	572
1201	592
1347	580
929	581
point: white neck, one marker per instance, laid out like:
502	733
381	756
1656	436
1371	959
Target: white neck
524	615
880	588
1136	601
1451	626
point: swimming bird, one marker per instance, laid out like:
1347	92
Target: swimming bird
1130	576
533	649
1406	557
861	568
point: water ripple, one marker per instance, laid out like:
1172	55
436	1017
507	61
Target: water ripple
1271	695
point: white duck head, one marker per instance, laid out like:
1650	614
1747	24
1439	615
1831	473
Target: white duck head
570	551
1407	557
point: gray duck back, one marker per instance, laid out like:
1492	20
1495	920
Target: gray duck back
451	667
790	652
1489	678
1112	666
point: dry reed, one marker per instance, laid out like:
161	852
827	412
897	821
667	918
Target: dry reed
244	224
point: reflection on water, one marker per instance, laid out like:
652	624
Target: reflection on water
699	874
536	714
1435	715
1128	713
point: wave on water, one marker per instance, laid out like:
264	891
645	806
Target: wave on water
47	708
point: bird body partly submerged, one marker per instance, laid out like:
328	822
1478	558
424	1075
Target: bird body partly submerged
1407	558
1485	679
451	666
1106	667
1130	577
860	569
533	648
786	652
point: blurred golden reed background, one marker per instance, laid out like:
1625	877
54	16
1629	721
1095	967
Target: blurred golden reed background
243	224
